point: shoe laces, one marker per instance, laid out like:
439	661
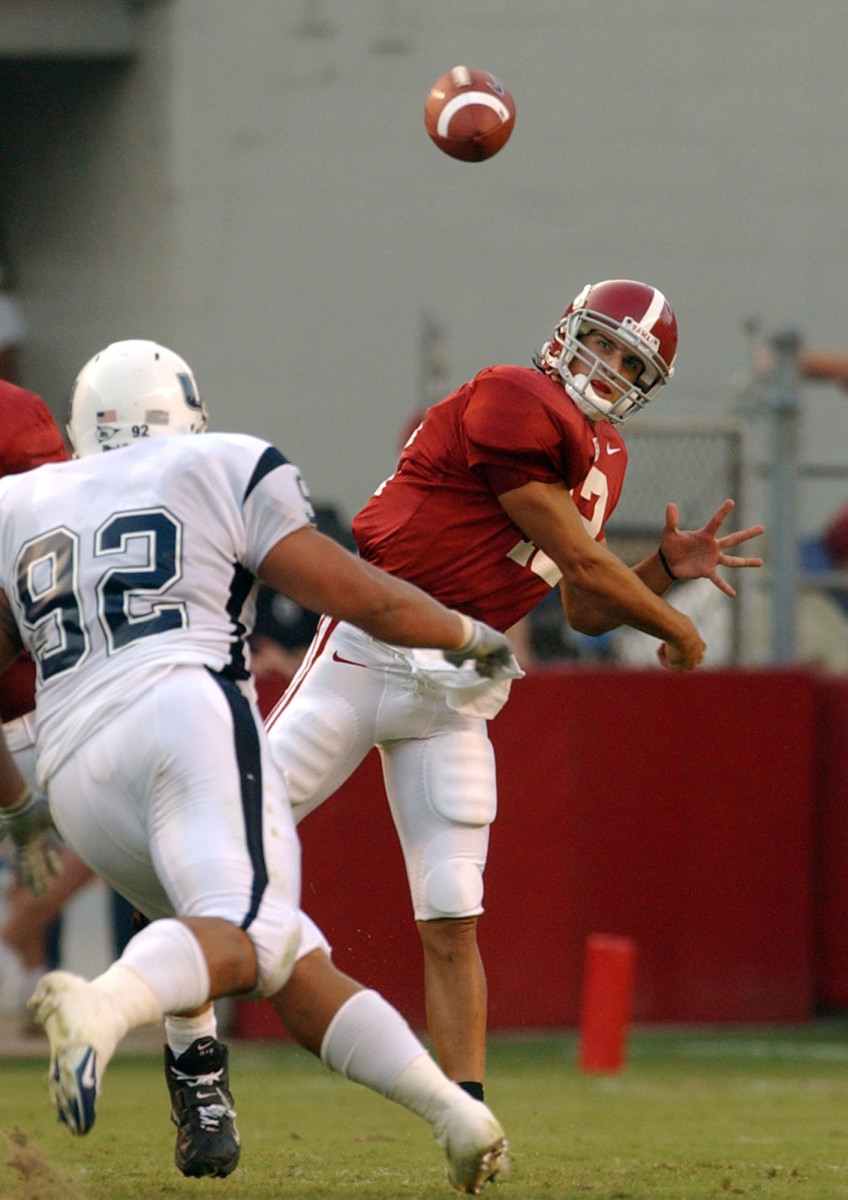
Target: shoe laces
212	1079
212	1115
209	1115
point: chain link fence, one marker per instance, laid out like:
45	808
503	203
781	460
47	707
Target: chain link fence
696	465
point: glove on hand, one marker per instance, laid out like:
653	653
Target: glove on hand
489	649
30	827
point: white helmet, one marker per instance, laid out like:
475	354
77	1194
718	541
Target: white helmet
133	389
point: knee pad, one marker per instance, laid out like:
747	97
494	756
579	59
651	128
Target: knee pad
276	941
454	888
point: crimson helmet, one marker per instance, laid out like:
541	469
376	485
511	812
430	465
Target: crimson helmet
637	315
132	389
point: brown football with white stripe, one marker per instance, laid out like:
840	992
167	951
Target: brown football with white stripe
469	114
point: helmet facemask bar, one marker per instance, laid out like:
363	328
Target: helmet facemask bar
634	395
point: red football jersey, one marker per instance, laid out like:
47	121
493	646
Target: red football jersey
28	437
437	521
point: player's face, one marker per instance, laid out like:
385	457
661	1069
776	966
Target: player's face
613	354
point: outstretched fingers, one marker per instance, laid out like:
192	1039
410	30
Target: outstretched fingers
742	535
719	517
721	584
736	560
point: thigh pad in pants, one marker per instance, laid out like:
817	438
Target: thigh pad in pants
443	799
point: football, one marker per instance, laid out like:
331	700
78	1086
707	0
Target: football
469	114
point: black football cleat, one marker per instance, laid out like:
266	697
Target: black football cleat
202	1110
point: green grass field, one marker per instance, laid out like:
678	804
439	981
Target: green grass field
693	1115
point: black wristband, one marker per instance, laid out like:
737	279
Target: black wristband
666	567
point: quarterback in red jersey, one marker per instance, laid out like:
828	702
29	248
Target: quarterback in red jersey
438	520
501	493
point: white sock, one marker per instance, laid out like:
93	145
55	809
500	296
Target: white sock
133	1001
369	1042
424	1089
168	956
183	1032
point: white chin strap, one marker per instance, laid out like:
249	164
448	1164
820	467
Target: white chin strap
585	397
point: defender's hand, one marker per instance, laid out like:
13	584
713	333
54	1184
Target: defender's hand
489	649
30	827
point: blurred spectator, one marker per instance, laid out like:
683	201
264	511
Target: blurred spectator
703	607
819	366
544	638
829	366
329	520
836	539
823	610
12	328
281	634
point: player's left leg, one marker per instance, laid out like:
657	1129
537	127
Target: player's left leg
198	1079
441	789
357	1033
202	1107
456	998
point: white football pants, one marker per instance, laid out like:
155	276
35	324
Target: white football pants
177	805
353	693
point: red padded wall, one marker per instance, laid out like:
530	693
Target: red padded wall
676	810
831	875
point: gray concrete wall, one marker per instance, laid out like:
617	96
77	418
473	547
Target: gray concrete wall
267	202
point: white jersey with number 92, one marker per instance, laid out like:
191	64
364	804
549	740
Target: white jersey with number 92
122	565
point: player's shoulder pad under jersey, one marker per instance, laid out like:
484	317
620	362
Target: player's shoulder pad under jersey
520	408
522	389
266	459
252	454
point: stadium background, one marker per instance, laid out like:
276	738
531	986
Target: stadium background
251	184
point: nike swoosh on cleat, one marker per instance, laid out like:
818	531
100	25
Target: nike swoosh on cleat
78	1110
348	662
88	1079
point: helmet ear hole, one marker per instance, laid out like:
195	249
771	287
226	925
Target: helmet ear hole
131	390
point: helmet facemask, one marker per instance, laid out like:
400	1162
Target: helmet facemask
567	356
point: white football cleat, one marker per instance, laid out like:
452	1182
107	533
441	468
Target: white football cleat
474	1142
82	1030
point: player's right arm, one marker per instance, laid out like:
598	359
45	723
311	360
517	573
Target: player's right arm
321	575
24	814
599	591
